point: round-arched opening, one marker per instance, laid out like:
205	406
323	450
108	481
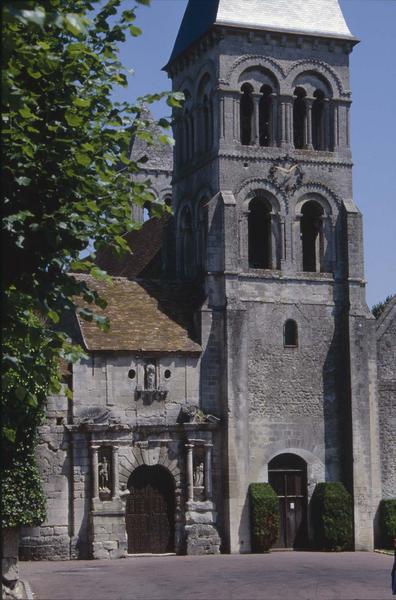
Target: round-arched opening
312	236
246	114
290	334
265	116
150	511
299	115
287	474
259	233
186	234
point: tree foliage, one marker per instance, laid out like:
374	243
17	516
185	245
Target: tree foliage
379	308
67	184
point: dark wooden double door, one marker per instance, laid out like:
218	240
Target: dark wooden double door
150	511
287	474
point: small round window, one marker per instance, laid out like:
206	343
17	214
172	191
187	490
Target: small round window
131	373
167	374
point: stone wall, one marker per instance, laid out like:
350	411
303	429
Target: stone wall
386	352
51	540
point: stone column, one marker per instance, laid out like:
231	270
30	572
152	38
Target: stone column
283	122
274	240
274	120
95	475
116	481
326	125
190	472
256	120
208	471
308	124
336	132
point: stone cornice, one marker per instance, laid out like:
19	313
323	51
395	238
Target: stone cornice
260	156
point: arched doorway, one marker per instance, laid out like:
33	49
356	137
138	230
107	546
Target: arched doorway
287	473
150	511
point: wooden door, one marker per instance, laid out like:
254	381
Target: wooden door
150	512
289	483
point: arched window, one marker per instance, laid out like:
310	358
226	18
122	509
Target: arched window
246	115
318	124
206	125
202	235
259	234
299	116
265	116
312	236
191	135
146	211
186	243
290	334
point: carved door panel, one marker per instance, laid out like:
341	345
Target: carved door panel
290	486
149	517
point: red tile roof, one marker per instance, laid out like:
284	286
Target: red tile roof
145	316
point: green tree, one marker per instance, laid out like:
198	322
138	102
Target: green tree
379	308
67	186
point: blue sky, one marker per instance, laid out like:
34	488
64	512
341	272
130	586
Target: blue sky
373	81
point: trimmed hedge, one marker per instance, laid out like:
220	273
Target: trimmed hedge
264	516
388	521
332	516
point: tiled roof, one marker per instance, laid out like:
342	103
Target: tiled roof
309	17
145	316
145	244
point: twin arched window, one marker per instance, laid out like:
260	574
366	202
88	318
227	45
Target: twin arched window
310	117
256	117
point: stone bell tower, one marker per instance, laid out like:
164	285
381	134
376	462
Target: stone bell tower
265	220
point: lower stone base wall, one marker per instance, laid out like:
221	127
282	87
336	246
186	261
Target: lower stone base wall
45	543
108	535
202	539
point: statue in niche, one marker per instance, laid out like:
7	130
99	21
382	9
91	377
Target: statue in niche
150	377
104	482
199	475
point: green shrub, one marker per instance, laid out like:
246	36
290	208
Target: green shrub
332	516
23	500
264	516
388	521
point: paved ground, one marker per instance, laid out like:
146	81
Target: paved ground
279	575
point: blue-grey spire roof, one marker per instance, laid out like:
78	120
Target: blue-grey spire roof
309	17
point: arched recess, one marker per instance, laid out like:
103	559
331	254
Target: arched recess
318	69
202	225
311	112
253	62
299	118
258	106
287	474
205	119
315	233
261	231
185	243
150	510
290	334
246	118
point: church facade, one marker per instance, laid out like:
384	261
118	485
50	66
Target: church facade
241	348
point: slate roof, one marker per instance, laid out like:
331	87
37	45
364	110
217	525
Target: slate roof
145	316
308	17
145	244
